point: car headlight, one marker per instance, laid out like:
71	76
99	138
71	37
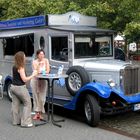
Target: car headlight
111	83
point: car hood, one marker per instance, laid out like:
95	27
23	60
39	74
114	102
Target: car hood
106	65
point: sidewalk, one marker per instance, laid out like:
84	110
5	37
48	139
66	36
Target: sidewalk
71	129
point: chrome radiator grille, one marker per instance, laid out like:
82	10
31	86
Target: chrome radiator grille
130	80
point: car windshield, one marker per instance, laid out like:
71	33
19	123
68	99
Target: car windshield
93	46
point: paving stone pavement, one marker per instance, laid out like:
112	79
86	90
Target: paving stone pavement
71	129
128	122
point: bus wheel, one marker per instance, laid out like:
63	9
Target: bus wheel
8	91
77	78
91	110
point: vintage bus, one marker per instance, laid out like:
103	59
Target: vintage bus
97	83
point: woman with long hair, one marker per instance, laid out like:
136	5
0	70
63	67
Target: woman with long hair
20	93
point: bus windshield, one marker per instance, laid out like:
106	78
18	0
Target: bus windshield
93	46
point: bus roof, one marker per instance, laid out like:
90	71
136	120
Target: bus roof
82	29
68	19
71	21
20	23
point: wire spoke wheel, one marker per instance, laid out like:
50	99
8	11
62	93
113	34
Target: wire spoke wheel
78	77
75	81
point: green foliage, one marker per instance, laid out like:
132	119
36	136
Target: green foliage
132	32
120	15
23	8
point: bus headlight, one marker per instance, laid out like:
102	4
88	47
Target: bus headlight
111	83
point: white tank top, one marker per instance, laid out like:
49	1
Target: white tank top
42	66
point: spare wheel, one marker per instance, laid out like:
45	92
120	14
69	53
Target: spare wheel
77	78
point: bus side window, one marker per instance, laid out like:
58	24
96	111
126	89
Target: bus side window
20	43
59	49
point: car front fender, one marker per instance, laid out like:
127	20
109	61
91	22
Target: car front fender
103	91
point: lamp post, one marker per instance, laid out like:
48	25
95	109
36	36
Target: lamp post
119	40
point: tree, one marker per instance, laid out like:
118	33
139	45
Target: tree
132	32
23	8
118	15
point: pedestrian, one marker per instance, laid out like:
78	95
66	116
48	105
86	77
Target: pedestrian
20	93
39	87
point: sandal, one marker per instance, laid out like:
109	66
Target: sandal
36	116
41	117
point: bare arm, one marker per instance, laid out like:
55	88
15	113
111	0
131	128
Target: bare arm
47	66
24	77
34	65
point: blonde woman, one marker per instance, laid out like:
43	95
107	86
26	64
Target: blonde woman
20	92
39	87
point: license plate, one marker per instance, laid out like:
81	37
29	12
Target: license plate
136	107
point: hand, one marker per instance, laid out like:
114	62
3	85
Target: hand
34	73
